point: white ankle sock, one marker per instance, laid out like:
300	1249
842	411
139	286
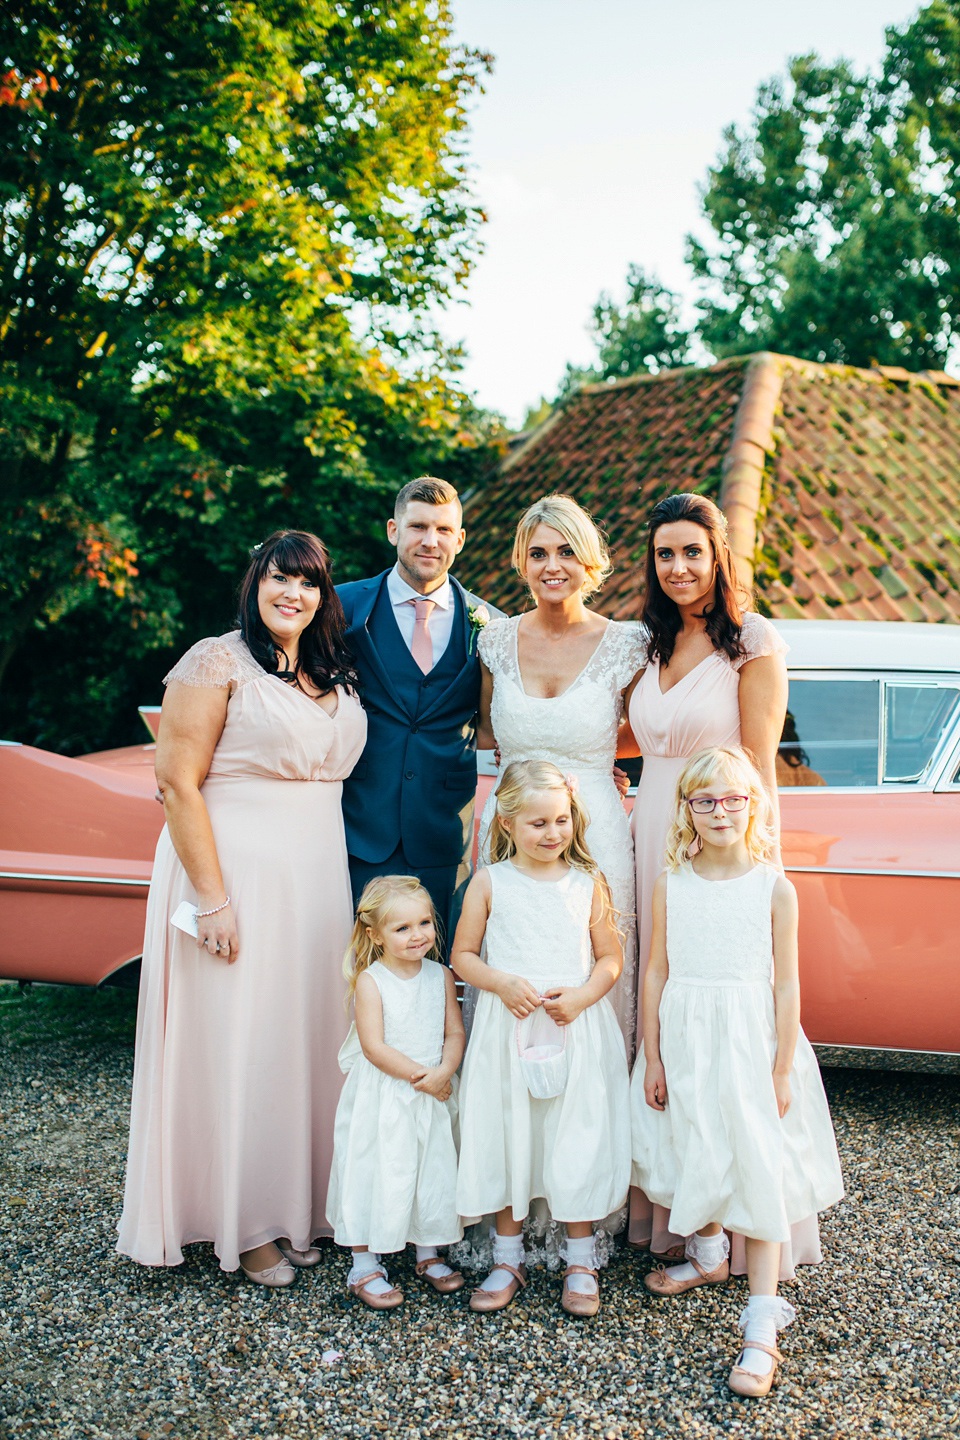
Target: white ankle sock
507	1249
365	1262
429	1252
762	1318
582	1252
708	1250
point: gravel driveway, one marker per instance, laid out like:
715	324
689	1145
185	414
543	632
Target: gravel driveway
92	1345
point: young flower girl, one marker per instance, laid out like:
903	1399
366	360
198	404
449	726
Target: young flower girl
730	1123
394	1173
544	1101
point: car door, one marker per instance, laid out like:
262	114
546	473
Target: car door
870	818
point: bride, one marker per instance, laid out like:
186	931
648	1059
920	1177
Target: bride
552	689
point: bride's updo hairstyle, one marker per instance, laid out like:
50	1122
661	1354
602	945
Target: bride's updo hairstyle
660	614
324	658
379	898
735	767
563	514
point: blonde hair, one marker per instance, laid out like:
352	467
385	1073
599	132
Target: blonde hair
562	513
378	899
523	778
736	766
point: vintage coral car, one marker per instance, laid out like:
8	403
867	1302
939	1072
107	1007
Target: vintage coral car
869	767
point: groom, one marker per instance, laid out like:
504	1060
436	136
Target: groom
408	805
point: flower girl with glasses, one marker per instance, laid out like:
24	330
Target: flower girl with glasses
731	1128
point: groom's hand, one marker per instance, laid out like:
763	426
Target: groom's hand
621	779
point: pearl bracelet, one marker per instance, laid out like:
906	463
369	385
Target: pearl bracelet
202	914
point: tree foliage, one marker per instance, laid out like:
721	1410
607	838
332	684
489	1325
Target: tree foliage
640	335
837	212
224	228
836	223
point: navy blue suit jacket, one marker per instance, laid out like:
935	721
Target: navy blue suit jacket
417	777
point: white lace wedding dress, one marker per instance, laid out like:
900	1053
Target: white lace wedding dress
577	731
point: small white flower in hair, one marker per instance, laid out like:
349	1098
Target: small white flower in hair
572	783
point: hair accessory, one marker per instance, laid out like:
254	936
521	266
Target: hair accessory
572	782
258	546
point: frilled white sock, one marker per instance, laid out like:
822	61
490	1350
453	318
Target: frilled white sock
763	1317
582	1252
708	1250
365	1262
429	1252
508	1250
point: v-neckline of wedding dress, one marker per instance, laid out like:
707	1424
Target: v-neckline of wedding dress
577	678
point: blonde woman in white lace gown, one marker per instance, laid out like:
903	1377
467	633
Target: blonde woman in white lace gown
553	685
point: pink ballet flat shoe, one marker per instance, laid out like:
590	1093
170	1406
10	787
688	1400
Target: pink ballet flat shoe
443	1284
659	1282
572	1300
277	1277
747	1382
389	1300
302	1259
486	1300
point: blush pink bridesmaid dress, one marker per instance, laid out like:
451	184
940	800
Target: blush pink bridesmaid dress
236	1078
670	728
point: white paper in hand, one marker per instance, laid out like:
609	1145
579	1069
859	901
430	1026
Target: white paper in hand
185	918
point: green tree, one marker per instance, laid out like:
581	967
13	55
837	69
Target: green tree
638	336
836	211
223	231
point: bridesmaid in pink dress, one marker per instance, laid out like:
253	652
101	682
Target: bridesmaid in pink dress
236	1078
714	676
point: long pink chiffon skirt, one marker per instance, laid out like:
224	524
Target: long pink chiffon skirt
236	1079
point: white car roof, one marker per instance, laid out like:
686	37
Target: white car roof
870	645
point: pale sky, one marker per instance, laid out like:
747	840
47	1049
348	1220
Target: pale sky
597	126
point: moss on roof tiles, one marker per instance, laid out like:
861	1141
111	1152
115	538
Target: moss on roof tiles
863	483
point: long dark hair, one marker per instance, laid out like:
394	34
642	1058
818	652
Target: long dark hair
661	615
323	657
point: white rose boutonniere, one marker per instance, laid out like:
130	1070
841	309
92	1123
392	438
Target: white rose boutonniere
479	616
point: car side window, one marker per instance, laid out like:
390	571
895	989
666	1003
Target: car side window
915	717
831	735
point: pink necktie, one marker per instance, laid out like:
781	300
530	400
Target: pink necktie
421	647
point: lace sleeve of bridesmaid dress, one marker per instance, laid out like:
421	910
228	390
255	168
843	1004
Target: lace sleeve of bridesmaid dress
218	662
759	637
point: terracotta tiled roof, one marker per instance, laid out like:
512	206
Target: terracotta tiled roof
841	486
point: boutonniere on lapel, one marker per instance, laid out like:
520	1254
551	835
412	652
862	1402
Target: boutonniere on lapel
479	616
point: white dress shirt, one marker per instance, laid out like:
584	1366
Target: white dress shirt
441	618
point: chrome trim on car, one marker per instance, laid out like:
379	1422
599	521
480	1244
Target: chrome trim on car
72	879
898	874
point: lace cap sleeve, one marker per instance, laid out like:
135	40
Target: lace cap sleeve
759	637
492	644
216	663
630	652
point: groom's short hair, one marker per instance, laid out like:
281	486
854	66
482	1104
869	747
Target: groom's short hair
429	490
